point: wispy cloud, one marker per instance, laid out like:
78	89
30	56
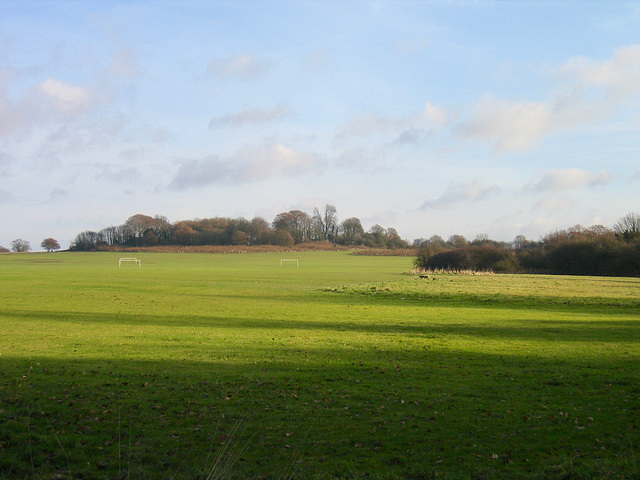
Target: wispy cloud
5	161
555	180
457	193
124	64
250	117
553	204
243	66
58	194
248	164
368	123
5	196
117	174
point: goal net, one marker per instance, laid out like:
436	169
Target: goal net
289	261
134	260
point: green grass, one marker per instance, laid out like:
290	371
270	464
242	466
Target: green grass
230	366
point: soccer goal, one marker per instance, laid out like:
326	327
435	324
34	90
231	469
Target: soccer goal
286	261
135	260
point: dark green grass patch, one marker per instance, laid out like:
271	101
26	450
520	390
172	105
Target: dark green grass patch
230	366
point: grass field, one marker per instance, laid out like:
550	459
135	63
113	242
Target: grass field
230	366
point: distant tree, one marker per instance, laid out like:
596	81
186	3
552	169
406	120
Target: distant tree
135	226
350	230
111	235
469	257
325	224
85	241
457	241
596	230
258	231
184	233
284	238
20	246
394	240
149	238
4	249
379	234
436	241
50	244
628	227
296	222
238	237
520	242
481	239
162	229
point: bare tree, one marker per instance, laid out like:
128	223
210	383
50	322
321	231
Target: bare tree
325	224
20	246
520	242
628	227
457	241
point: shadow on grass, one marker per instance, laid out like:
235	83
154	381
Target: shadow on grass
626	329
325	413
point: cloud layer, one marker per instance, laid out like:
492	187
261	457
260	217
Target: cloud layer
248	164
460	193
254	116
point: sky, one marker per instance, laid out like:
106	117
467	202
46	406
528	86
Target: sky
441	117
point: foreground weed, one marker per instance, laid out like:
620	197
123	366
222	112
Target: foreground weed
232	449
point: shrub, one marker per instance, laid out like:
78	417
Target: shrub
470	257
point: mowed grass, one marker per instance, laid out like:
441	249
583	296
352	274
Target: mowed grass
230	366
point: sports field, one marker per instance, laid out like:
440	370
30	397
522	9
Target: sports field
197	366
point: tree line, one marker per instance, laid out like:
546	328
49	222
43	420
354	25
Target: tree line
286	229
595	250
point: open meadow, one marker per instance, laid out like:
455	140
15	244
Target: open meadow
225	366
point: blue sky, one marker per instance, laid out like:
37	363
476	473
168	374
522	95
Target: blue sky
441	117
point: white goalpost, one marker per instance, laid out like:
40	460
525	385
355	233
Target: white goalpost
284	261
133	259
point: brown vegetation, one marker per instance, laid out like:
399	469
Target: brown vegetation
304	247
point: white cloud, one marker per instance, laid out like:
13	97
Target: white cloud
456	193
619	75
65	98
244	65
248	164
248	117
513	125
437	116
595	90
50	100
555	180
